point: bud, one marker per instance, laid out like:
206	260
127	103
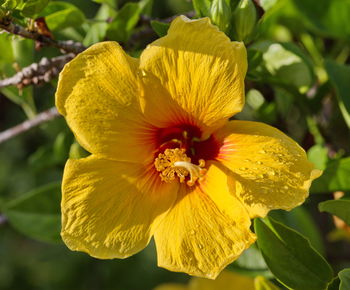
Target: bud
220	14
244	18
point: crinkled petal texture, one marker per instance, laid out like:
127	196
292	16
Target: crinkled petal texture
195	74
110	208
266	168
98	93
206	229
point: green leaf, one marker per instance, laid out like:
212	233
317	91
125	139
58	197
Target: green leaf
96	31
344	277
37	213
251	263
6	56
202	7
267	4
30	8
121	27
254	59
286	63
252	259
111	3
290	256
146	7
77	152
340	76
334	178
340	208
261	283
60	15
318	155
160	28
301	220
9	4
334	285
284	101
23	53
327	17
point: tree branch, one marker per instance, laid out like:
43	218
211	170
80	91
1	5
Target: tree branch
66	45
37	73
29	124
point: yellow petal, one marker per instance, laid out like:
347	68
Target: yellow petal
261	283
268	169
109	208
227	280
206	229
195	74
171	286
98	95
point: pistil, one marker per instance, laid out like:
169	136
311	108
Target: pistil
175	163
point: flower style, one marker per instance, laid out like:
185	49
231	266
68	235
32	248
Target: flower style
165	161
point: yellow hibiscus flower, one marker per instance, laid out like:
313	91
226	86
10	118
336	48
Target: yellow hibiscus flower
166	162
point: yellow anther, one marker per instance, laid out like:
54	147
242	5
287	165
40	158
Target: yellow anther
175	163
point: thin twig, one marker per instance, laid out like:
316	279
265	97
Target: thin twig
66	45
37	73
29	124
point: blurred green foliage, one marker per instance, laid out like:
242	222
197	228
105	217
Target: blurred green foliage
298	80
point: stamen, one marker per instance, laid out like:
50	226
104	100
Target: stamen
175	162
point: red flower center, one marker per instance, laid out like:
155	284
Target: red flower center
188	137
182	153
